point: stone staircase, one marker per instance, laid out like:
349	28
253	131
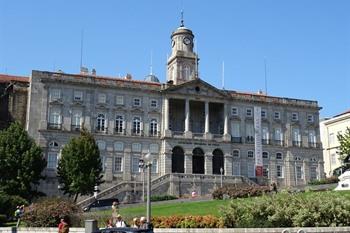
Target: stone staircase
177	184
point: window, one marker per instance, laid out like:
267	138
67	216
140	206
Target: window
333	159
76	120
312	138
265	155
279	155
280	172
101	145
234	111
235	127
265	135
101	122
55	119
296	137
310	118
55	94
136	129
251	169
236	169
313	173
52	160
295	116
278	134
154	103
250	154
235	153
155	166
101	99
137	102
299	171
263	114
117	164
78	96
331	138
277	115
154	148
250	133
119	124
53	145
119	100
136	147
249	112
119	146
153	129
297	158
135	164
266	170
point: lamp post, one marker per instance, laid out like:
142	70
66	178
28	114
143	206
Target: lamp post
221	171
142	167
148	164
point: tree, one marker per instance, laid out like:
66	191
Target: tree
344	152
21	162
80	167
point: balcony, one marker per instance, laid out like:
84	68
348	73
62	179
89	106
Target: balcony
278	142
236	139
119	131
75	128
102	130
314	145
54	126
249	139
296	143
266	141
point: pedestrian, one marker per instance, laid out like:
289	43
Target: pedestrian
63	227
274	187
120	222
135	223
115	210
143	223
109	223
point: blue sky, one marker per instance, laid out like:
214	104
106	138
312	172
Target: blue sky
306	43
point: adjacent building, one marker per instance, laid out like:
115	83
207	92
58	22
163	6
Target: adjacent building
330	128
199	135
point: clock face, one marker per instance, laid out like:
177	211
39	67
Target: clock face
187	41
172	43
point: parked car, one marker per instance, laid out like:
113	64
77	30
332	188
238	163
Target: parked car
124	230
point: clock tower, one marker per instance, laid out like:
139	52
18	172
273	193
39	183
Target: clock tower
183	62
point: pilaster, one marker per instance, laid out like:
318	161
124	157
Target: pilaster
228	164
208	164
188	163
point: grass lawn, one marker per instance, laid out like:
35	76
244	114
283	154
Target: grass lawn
210	207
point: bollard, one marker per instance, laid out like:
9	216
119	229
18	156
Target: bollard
286	231
90	226
301	231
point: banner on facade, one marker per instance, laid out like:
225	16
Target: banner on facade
258	146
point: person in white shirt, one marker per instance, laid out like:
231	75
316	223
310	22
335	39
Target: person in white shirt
120	222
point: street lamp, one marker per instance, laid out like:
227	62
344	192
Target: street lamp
221	171
142	167
148	164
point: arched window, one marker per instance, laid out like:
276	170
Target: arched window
235	153
101	144
53	144
101	122
198	161
136	129
250	154
218	162
153	131
119	124
118	146
178	160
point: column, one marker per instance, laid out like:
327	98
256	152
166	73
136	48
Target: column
207	134
208	164
188	133
127	165
109	167
188	163
227	136
228	164
167	132
166	163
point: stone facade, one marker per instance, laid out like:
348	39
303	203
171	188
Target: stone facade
189	126
13	99
330	128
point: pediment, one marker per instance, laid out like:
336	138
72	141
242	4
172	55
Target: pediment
196	87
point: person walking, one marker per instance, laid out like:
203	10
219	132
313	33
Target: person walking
115	210
120	222
63	227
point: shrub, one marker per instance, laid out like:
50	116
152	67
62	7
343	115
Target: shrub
289	210
47	212
240	191
163	198
3	219
327	180
207	221
9	203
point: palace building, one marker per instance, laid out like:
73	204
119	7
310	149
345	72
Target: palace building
200	136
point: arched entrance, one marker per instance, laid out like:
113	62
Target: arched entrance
218	161
177	160
198	161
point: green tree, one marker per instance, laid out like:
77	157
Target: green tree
79	168
344	151
21	162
